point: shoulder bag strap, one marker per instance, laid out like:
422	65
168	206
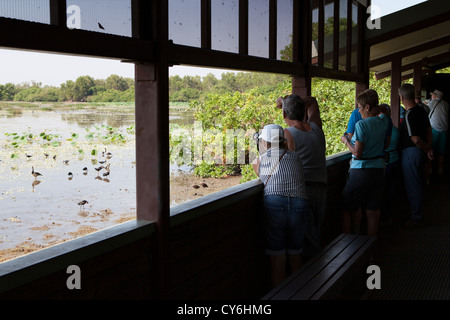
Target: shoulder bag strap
431	113
267	180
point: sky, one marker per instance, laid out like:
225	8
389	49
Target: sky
54	69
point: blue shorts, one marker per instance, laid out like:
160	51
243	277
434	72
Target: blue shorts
285	224
365	187
439	142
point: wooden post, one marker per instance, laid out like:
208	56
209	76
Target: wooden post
152	133
301	49
243	27
396	77
417	78
58	16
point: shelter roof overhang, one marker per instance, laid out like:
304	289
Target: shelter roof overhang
419	36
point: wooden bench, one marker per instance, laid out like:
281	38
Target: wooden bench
327	274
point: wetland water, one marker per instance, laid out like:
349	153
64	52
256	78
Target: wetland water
45	210
42	211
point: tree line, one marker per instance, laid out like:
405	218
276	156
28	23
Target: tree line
84	89
119	89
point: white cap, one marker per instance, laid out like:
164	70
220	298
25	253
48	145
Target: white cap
437	93
272	133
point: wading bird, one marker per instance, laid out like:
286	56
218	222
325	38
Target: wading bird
99	168
34	173
82	203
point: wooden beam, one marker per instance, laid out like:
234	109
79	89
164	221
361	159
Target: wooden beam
54	39
336	74
362	64
58	15
206	24
410	51
152	141
417	78
302	38
179	54
348	60
336	35
395	85
412	27
425	63
140	11
272	29
243	27
321	32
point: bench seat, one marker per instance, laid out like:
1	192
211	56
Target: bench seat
328	273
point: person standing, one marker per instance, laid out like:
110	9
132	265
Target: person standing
415	143
286	207
365	183
438	116
305	136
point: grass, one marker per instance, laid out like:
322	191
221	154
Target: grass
120	107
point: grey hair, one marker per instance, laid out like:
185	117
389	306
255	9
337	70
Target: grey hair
407	91
294	107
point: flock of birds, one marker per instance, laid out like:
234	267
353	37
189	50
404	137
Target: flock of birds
85	172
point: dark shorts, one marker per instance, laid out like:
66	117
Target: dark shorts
285	224
365	187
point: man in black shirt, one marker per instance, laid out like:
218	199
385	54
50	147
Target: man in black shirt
415	141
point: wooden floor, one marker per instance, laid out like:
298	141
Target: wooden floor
415	263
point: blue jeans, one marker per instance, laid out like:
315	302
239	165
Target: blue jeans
413	167
285	224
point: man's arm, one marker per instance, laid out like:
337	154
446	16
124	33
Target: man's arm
312	111
424	145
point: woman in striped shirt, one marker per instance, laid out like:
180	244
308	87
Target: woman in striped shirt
286	207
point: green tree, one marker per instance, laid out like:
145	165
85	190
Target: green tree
117	83
82	88
7	92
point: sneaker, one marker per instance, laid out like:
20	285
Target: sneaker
410	224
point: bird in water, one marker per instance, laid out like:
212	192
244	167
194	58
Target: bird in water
106	174
34	173
82	203
85	171
99	168
70	174
66	162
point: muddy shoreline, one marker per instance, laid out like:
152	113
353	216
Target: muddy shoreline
183	188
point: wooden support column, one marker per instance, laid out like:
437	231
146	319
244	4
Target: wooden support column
321	32
272	29
301	48
362	65
152	133
58	15
396	79
206	24
243	27
336	34
417	78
